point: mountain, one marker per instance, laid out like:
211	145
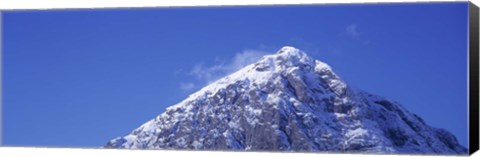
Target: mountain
289	101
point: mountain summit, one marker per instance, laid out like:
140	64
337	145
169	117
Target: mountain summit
288	101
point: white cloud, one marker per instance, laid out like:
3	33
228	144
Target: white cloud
207	73
187	86
244	58
222	67
352	30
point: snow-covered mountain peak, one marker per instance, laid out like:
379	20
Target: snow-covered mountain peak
288	101
290	49
293	56
287	61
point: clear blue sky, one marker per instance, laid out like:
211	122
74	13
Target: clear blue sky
78	78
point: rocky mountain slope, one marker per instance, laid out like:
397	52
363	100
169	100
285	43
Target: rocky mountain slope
289	101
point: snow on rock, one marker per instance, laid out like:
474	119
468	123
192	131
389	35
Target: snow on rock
288	101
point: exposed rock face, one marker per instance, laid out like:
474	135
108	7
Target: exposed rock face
289	102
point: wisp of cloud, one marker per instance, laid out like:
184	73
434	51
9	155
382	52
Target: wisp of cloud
207	74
